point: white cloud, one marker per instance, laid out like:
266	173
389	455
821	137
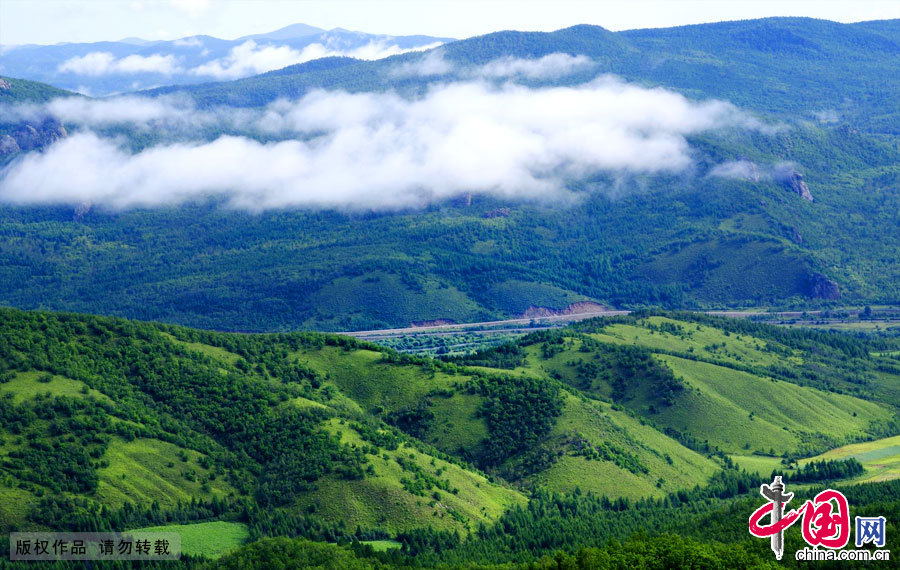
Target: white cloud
432	63
103	63
249	58
380	50
171	114
744	169
155	63
188	42
119	110
738	170
94	63
380	150
550	66
827	116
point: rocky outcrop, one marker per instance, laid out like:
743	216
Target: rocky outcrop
821	287
794	181
81	210
28	136
8	145
4	85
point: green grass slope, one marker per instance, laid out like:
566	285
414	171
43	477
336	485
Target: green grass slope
738	387
596	448
735	410
321	434
880	458
438	406
408	488
210	539
114	424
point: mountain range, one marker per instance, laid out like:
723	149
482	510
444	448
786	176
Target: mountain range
131	64
759	169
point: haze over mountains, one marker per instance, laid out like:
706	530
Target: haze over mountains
131	64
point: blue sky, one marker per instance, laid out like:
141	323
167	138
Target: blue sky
52	21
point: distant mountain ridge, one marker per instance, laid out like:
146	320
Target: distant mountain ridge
287	32
107	67
772	65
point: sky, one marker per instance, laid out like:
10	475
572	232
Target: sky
54	21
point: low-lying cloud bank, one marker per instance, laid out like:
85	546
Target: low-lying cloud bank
252	59
551	66
380	150
748	170
103	63
244	60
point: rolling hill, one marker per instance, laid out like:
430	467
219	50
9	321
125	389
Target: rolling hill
115	424
73	379
787	67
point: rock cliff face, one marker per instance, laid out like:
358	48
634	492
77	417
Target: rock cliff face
4	85
794	181
27	136
821	287
8	145
81	211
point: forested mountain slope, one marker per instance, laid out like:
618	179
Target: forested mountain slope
790	66
799	210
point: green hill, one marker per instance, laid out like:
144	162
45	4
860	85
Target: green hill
14	90
734	386
115	424
780	65
124	415
126	424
